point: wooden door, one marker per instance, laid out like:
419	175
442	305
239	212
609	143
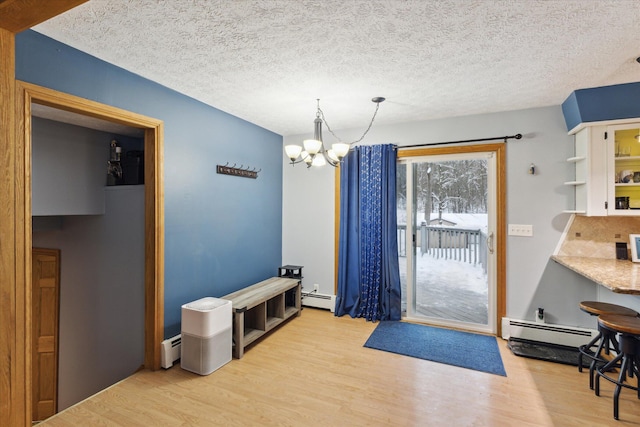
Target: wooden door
45	309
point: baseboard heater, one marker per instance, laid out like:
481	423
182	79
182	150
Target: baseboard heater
547	333
316	300
170	351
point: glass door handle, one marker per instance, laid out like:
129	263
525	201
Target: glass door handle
490	243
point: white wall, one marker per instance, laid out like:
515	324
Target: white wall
533	280
308	223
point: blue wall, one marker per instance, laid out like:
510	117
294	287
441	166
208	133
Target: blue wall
602	103
222	232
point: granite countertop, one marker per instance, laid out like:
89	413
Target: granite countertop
620	276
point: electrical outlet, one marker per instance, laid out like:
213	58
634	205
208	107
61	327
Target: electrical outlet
520	230
316	287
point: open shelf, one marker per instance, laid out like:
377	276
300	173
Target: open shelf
601	179
261	308
625	159
275	311
291	299
255	319
290	311
250	335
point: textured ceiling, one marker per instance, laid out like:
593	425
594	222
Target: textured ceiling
267	61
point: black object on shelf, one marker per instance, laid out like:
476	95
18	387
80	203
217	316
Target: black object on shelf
133	168
621	250
292	271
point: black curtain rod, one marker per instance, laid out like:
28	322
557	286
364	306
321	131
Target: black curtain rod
504	138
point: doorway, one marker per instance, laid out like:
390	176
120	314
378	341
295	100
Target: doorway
448	234
28	94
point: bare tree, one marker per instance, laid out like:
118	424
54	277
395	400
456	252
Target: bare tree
460	185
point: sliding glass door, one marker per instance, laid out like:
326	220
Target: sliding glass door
446	234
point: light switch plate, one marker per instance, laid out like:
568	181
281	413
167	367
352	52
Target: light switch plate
520	230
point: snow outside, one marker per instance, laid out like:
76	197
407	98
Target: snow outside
450	252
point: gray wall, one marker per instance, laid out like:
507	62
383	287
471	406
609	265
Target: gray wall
101	294
101	335
533	280
69	169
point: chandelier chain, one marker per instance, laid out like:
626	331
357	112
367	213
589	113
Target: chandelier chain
363	135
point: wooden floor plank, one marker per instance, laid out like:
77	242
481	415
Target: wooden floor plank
314	371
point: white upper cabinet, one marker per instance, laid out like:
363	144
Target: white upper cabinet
590	166
607	169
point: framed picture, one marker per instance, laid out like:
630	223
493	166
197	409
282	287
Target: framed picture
634	240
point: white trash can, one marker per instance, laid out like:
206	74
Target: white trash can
206	335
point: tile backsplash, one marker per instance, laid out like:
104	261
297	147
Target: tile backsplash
595	237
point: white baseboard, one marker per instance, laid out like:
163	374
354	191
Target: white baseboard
546	332
316	300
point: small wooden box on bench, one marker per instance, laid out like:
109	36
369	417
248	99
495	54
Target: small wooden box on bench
259	308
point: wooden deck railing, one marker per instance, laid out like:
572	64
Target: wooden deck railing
460	244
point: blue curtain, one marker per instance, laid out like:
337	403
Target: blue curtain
368	272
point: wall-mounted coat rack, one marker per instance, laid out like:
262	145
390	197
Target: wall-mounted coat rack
238	171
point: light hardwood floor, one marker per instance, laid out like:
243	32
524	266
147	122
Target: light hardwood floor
314	371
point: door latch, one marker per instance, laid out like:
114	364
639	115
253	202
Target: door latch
490	243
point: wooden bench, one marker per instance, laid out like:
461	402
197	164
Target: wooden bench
259	308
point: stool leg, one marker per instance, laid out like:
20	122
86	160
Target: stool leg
586	348
621	378
614	342
607	343
637	377
611	364
635	362
592	365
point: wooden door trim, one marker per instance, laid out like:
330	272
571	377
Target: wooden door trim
26	94
501	226
19	15
15	336
15	231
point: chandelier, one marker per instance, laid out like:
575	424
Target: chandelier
313	151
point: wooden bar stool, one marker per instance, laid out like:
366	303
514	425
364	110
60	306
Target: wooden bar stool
605	341
627	359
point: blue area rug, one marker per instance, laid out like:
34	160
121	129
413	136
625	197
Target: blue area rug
464	349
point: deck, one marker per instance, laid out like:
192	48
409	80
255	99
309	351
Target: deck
448	290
